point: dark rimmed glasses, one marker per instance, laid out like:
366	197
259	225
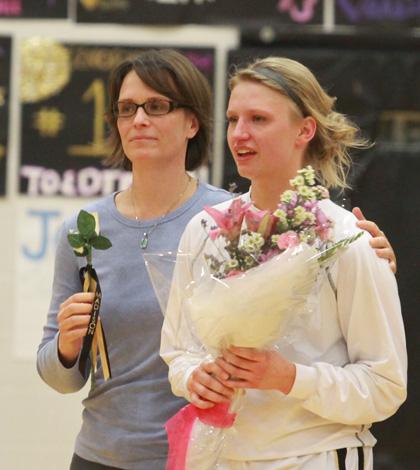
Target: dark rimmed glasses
152	107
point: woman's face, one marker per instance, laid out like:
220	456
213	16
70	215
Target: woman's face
153	139
264	133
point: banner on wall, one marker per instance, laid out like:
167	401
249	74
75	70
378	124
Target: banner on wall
5	47
387	111
31	9
64	98
245	12
395	14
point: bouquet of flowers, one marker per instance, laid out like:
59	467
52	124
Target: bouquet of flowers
83	240
262	268
265	266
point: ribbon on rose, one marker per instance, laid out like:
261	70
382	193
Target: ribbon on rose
83	240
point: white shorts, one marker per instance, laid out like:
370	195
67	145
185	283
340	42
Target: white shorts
323	461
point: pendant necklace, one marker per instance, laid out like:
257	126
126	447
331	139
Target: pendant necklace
146	235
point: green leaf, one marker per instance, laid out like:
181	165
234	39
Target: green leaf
75	240
86	224
101	243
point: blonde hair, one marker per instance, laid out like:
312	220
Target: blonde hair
328	151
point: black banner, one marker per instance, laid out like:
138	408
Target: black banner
5	47
379	88
392	14
30	9
64	95
242	12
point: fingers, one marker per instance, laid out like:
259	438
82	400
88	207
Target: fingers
387	254
364	224
358	213
384	250
73	319
245	366
205	389
199	402
379	241
252	368
370	227
75	304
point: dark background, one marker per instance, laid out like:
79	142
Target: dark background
217	12
5	44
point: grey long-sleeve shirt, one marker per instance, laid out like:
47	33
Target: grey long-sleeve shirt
123	418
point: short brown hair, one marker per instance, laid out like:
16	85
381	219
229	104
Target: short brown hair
171	74
328	151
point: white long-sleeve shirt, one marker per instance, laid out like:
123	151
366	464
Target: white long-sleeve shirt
350	354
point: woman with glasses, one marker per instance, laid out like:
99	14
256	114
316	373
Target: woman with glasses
160	121
159	116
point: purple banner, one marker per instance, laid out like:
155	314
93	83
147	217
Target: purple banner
31	9
392	13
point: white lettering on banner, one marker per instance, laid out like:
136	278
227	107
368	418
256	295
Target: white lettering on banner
50	182
87	182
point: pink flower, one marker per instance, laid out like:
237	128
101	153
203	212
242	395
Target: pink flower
323	225
234	272
229	221
288	239
214	233
260	221
271	253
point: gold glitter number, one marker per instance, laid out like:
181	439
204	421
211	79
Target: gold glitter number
98	147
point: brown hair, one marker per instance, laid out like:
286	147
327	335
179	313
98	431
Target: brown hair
328	151
171	74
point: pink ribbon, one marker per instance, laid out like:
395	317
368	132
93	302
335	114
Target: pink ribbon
179	429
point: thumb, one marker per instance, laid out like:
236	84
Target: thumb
358	213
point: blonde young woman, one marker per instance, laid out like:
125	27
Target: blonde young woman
310	408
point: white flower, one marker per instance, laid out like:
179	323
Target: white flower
287	196
306	192
297	181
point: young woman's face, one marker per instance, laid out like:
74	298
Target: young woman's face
146	138
264	132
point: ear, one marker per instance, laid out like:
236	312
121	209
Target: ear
193	126
306	131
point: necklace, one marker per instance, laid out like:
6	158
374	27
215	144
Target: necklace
146	235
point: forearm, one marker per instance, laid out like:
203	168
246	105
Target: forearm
54	373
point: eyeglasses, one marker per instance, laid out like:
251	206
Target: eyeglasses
152	107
